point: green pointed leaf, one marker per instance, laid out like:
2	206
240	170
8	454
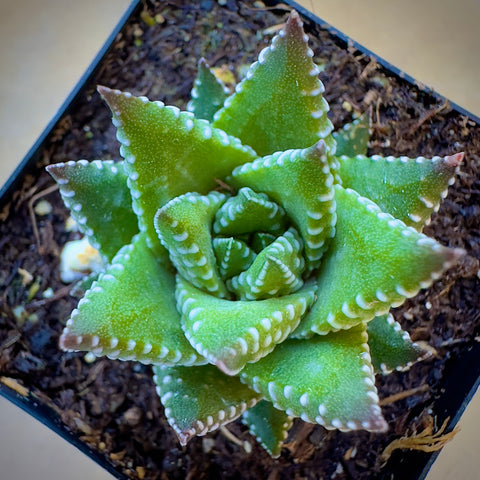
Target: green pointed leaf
279	105
261	240
269	425
391	347
168	153
249	212
84	284
375	262
198	400
183	226
300	181
328	380
99	200
208	93
233	256
231	333
353	138
130	314
277	270
410	189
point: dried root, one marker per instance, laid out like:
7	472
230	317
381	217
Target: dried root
425	441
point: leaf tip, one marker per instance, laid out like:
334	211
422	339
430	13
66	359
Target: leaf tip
184	437
69	342
453	256
377	423
56	170
294	21
111	97
226	369
318	150
455	160
103	91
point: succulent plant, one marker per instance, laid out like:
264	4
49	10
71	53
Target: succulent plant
252	253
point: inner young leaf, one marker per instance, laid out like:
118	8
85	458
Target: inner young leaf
233	256
231	333
184	228
249	212
277	270
300	181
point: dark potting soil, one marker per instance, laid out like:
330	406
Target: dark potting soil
112	405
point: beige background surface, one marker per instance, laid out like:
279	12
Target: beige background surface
46	45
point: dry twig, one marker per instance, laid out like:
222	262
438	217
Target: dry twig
31	202
428	115
244	444
404	394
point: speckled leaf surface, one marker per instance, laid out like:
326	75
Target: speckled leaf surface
231	333
276	271
375	262
99	200
208	93
261	240
233	256
279	105
168	153
391	347
183	226
301	182
410	189
353	138
269	426
327	380
249	212
129	313
198	400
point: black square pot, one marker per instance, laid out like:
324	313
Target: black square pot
65	393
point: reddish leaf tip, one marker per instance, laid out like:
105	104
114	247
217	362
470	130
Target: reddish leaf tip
56	170
454	255
184	437
112	97
71	342
68	342
108	94
102	90
293	17
454	160
294	24
319	149
377	424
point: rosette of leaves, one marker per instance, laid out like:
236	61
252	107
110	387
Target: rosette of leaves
252	253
